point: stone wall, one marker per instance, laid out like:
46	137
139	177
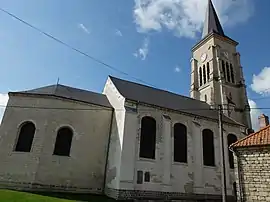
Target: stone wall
39	169
253	165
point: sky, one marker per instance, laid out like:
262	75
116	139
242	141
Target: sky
150	40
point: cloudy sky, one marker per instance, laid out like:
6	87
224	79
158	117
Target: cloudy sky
148	39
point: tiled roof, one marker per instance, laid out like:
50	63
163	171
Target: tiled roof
260	138
70	93
165	99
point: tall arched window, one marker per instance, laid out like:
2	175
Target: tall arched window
63	142
231	138
26	136
180	143
232	73
204	75
148	138
228	72
208	71
208	148
200	76
223	69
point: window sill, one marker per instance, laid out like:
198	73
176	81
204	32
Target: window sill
148	160
180	164
210	167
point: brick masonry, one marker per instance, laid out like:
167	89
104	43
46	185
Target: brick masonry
253	165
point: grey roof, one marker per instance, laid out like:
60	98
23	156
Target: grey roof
211	23
157	97
70	93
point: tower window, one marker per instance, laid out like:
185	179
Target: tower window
148	138
232	73
200	76
204	75
228	72
223	69
205	98
208	71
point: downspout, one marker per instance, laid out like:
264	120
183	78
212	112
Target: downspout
238	174
107	155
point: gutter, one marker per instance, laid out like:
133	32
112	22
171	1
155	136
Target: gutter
107	155
238	174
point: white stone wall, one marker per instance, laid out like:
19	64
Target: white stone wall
166	175
83	171
253	170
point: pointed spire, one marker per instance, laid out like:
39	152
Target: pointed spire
211	22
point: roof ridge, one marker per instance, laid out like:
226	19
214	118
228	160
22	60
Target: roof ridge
251	135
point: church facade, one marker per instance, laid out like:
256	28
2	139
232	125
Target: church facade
132	141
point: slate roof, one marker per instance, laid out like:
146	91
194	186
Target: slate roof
211	22
259	138
67	92
168	100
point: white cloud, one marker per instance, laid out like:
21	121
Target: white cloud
261	82
3	102
118	32
143	51
81	26
177	69
254	113
185	17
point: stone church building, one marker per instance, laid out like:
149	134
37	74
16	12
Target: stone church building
131	140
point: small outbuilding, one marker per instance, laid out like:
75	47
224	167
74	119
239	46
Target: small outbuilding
252	164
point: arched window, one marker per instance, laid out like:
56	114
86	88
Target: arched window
180	143
63	142
223	69
200	76
228	72
232	73
148	138
204	75
231	138
208	148
208	71
26	136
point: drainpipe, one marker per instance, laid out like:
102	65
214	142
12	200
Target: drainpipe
107	155
238	174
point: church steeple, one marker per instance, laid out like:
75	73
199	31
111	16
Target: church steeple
211	22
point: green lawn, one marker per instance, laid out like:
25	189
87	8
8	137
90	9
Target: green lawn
17	196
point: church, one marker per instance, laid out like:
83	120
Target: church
131	141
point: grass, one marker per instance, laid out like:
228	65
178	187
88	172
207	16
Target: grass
18	196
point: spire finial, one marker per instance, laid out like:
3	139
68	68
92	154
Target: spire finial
211	22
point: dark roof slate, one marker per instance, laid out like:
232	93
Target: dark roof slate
157	97
71	93
211	22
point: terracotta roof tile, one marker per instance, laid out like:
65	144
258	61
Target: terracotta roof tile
259	138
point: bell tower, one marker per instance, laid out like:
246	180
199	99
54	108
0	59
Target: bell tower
216	71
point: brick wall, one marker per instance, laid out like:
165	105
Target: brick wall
254	168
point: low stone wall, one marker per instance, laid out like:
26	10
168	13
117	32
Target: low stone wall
254	169
167	196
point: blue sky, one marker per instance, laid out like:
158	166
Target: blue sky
148	39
